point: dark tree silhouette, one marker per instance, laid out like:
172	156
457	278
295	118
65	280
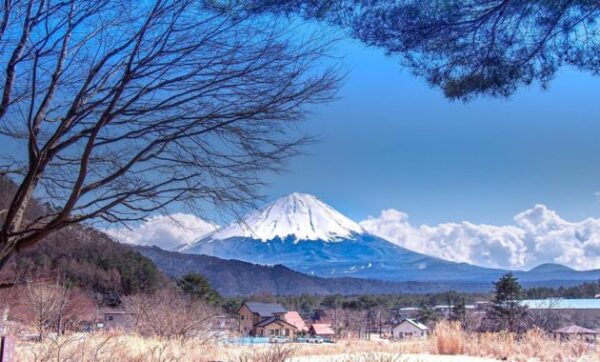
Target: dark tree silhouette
506	311
466	47
114	110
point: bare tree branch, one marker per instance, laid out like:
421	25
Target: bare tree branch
125	111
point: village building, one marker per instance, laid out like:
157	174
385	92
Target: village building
321	330
268	320
116	320
275	327
589	306
585	312
409	329
399	314
294	318
576	332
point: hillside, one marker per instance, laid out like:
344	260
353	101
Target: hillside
83	257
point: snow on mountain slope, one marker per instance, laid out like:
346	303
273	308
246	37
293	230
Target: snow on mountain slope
337	246
297	216
305	234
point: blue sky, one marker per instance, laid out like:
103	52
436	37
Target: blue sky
521	171
392	141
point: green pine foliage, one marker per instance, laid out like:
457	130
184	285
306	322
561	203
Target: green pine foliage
506	311
198	287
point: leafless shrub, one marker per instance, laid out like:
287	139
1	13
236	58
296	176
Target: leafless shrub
57	348
274	353
50	307
170	314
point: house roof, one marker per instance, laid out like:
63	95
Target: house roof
322	329
265	309
561	303
295	319
575	329
272	320
419	325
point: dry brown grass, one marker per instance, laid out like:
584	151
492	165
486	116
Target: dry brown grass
449	338
101	347
446	338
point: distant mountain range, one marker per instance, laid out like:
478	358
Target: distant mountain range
301	232
234	277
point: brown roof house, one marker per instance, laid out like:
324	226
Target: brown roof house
575	331
268	320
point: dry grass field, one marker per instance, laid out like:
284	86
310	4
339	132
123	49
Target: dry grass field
448	342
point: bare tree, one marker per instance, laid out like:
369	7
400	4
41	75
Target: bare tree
113	110
171	314
547	318
74	308
352	322
43	301
49	306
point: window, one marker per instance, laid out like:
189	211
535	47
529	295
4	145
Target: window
286	332
271	332
109	318
242	317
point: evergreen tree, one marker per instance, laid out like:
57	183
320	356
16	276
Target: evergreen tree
458	311
427	315
506	311
197	286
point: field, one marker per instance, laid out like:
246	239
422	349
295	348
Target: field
447	343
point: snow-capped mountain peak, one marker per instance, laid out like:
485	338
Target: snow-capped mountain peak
299	216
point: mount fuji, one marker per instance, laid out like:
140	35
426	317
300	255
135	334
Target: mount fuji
309	236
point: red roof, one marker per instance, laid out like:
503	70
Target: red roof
322	329
294	318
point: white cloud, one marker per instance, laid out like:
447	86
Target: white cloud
539	235
166	232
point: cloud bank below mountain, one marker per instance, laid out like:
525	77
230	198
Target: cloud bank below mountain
538	235
165	231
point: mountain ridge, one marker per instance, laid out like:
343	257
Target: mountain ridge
238	278
234	277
